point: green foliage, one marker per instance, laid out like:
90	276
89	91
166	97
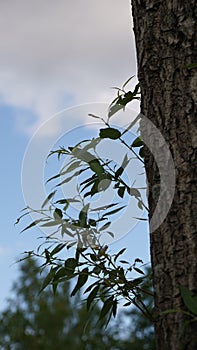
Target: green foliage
143	337
110	133
189	300
190	310
114	279
43	321
192	65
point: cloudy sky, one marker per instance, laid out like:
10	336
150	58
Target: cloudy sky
53	55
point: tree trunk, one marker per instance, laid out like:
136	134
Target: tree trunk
166	42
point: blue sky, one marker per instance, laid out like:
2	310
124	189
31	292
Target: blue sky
55	57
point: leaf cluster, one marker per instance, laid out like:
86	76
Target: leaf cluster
105	277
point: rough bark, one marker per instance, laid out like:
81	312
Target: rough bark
166	42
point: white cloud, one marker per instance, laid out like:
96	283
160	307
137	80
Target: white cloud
55	52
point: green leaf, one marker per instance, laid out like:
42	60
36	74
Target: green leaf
90	287
92	143
92	222
82	279
124	262
110	133
131	124
188	299
47	256
48	278
191	66
114	109
83	215
137	142
82	154
142	219
140	204
105	226
113	211
119	172
138	270
141	152
68	200
126	98
51	223
57	214
51	195
128	303
104	207
107	306
114	308
72	167
70	245
111	234
136	282
90	179
58	248
34	223
20	217
95	188
54	177
121	191
97	270
125	161
134	192
70	265
127	81
96	166
92	296
60	273
93	257
100	183
119	253
104	183
122	167
70	177
61	173
94	116
137	87
121	273
89	182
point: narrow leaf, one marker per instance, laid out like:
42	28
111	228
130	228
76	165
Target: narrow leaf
119	253
124	85
114	308
105	226
82	279
107	306
138	270
114	109
51	223
34	223
51	195
114	211
92	296
58	248
104	207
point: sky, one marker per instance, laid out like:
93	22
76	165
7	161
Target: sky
58	61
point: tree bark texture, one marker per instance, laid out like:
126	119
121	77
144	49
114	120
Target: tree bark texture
166	42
